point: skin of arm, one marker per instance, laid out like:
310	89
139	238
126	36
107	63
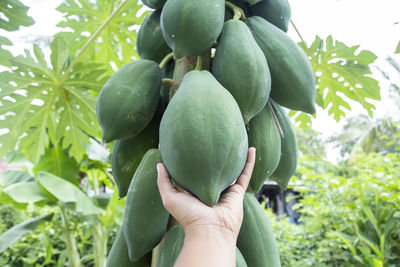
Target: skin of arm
210	232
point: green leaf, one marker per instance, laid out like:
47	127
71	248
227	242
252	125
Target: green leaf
26	192
66	192
9	237
10	177
116	44
342	71
57	161
303	119
42	103
15	12
5	55
397	49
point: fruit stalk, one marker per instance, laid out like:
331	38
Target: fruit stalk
238	13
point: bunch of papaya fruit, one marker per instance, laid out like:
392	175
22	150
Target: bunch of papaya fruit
213	79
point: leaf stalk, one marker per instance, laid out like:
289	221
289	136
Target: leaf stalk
95	35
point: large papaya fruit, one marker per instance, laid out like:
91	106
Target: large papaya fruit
191	27
172	246
242	69
145	218
256	240
203	138
128	100
118	255
277	12
288	161
293	79
150	43
264	136
155	4
240	261
128	153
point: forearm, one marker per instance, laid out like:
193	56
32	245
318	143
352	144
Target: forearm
207	248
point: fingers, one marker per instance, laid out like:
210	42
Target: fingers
244	178
164	184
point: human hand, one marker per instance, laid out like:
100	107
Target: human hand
194	216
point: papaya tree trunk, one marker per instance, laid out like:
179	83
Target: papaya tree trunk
100	234
72	251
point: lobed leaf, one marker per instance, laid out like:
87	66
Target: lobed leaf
5	55
15	12
42	103
116	43
342	73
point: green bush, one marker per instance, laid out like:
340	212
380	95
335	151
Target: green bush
350	214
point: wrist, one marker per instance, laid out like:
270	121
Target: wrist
210	231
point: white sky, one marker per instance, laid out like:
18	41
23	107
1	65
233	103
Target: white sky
369	23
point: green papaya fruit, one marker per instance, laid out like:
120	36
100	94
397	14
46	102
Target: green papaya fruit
203	138
150	43
172	246
154	4
256	240
293	79
128	100
168	72
238	3
264	136
191	27
145	218
242	69
118	255
128	153
288	161
277	12
240	261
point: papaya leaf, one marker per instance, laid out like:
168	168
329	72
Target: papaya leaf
9	237
57	161
67	193
42	103
116	44
342	74
5	55
302	119
15	12
397	49
26	192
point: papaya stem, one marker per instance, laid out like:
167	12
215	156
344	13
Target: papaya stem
276	120
182	66
167	81
298	33
199	64
166	59
238	13
94	36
